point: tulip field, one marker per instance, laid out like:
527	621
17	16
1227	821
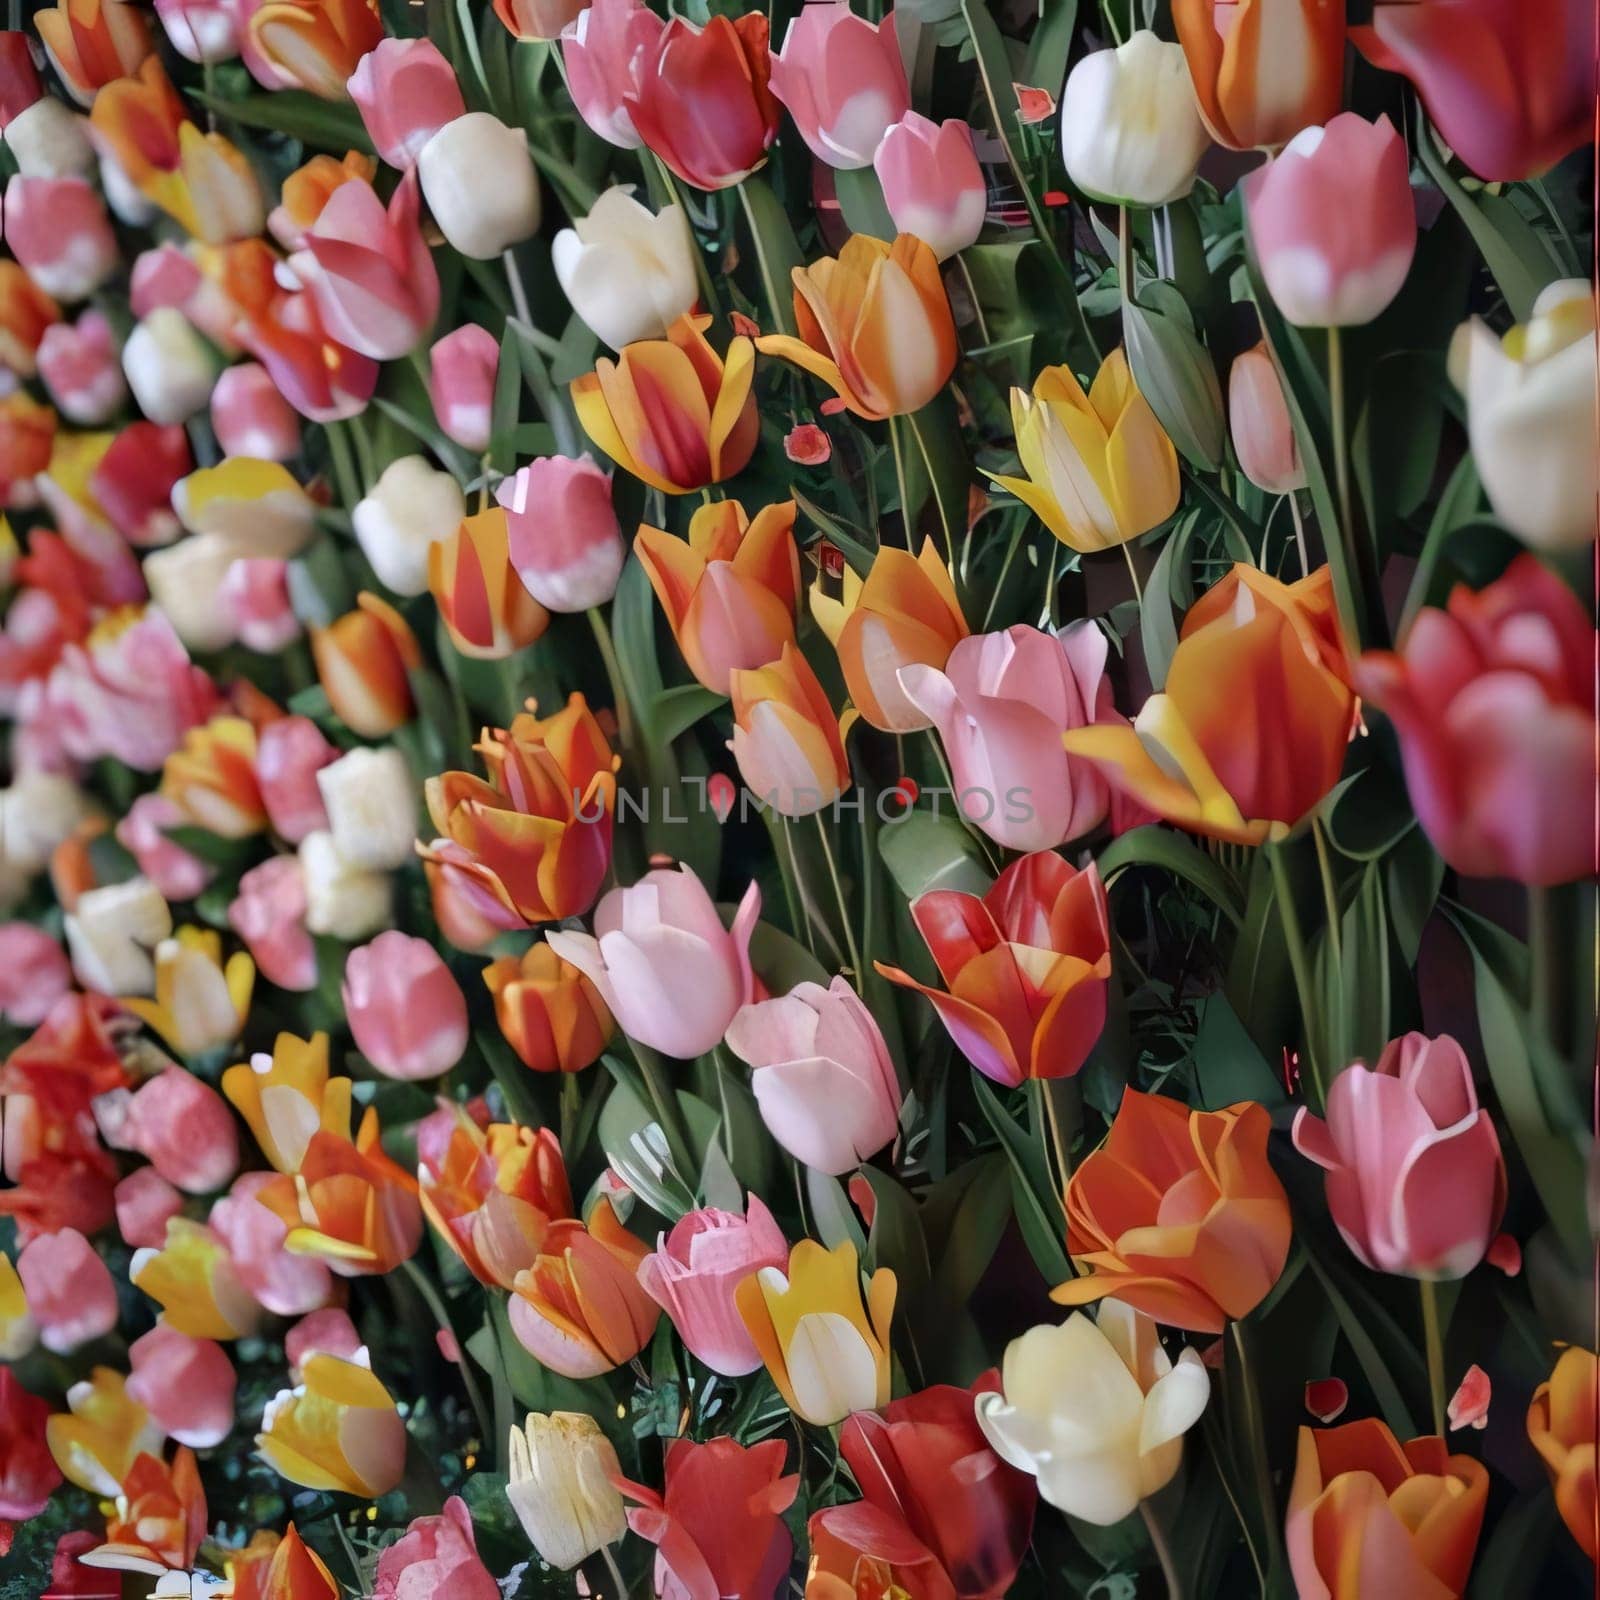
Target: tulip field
799	803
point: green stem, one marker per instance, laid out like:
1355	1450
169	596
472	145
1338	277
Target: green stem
1299	533
1127	555
1163	1551
1257	1439
999	582
1299	962
1433	1338
900	480
933	489
777	307
608	655
844	909
1330	892
441	1315
615	1571
670	1115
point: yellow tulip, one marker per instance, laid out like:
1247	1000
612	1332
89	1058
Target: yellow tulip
288	1096
98	1438
338	1431
199	1003
191	1278
18	1332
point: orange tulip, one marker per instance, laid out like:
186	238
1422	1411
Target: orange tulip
537	834
579	1308
904	614
729	592
483	602
1563	1418
671	411
211	777
270	1568
493	1193
1178	1213
364	661
549	1012
158	1519
786	736
93	42
875	326
307	189
27	436
286	1097
1370	1516
317	44
25	312
1253	724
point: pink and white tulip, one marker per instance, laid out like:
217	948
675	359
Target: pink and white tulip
603	51
255	595
183	1128
71	1296
461	377
186	1384
436	1559
250	418
34	973
177	873
145	1202
287	1285
843	81
204	31
565	540
290	752
82	370
58	230
269	914
932	183
405	91
406	1011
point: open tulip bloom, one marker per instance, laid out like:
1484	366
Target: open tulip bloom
797	802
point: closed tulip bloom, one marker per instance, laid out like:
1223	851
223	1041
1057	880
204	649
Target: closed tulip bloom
412	507
255	595
405	91
1531	416
372	807
156	1523
436	1559
338	1431
270	1568
199	1003
1493	700
290	751
343	900
1130	127
694	1271
671	411
185	582
1368	1515
821	1074
842	80
28	1476
145	1202
26	311
932	183
81	367
461	378
187	1385
563	534
1416	1181
168	366
875	326
183	1128
479	219
34	973
1026	967
50	139
93	42
1178	1213
192	1278
537	19
211	777
315	44
604	52
1333	223
1251	730
254	1236
1258	418
269	914
71	1297
729	591
1562	1428
481	600
112	934
364	661
57	229
322	379
786	736
406	1013
1098	468
133	481
670	973
100	1435
250	417
579	1308
200	30
560	1482
549	1012
1263	69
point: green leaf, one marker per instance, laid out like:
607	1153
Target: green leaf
1038	1208
675	711
1177	376
1045	66
861	200
925	852
323	124
1156	846
226	855
1355	1325
1158	627
776	250
1460	502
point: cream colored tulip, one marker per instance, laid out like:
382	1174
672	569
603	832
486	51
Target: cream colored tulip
185	582
560	1487
343	900
371	800
409	510
111	934
1096	1411
479	182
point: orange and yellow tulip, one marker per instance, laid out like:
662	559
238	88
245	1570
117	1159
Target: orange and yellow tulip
483	602
1563	1420
211	778
100	1435
157	1520
1250	732
671	411
288	1096
25	312
338	1431
730	590
1178	1213
191	1277
364	662
786	736
875	326
549	1012
27	436
93	42
270	1568
317	44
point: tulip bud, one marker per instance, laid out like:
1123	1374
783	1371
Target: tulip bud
406	1012
212	778
250	417
604	52
461	379
315	46
200	1004
405	91
338	1430
842	80
255	505
57	229
112	934
80	366
183	1128
786	736
932	183
343	901
70	1294
371	800
134	479
411	507
482	601
1258	416
50	140
145	1203
169	366
185	581
480	219
549	1012
562	532
363	661
269	914
187	1385
561	1469
200	30
538	19
34	973
255	595
290	751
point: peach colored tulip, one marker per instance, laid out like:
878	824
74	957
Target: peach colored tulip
71	1296
1562	1427
786	736
405	91
93	42
565	541
145	1202
322	379
187	1385
481	600
461	375
286	1285
270	1568
932	183
27	435
158	1518
604	52
183	1127
549	1012
309	188
364	660
406	1013
466	903
1258	418
315	44
842	80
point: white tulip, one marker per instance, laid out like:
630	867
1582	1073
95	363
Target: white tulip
38	812
628	272
185	582
111	934
343	900
50	140
479	182
410	509
371	800
170	368
1130	125
560	1487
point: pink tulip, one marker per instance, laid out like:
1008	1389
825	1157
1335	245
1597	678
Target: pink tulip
145	1203
932	182
603	52
166	276
671	974
696	1268
1332	222
1258	417
287	1285
142	833
1416	1181
370	271
69	1290
183	1127
255	594
461	375
436	1559
290	752
82	368
19	78
322	378
328	1332
34	973
1000	707
250	417
823	1078
58	230
405	91
842	80
201	30
566	543
269	914
133	481
187	1385
406	1012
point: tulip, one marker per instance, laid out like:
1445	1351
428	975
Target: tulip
57	230
1332	222
26	311
168	367
406	1012
256	507
96	1441
479	219
842	80
287	1096
411	507
537	834
1258	416
145	1203
199	1003
50	140
194	1282
825	1348
462	368
187	1385
269	914
183	1128
134	479
578	1308
1562	1428
204	31
27	433
250	417
112	933
269	1568
80	366
338	1431
1112	1438
548	1011
255	596
875	326
786	737
481	600
1263	69
285	1285
1178	1213
670	411
70	1295
28	1477
1251	730
185	582
604	52
671	975
562	531
405	91
562	1472
436	1559
364	662
92	42
537	19
1368	1515
699	98
211	778
19	78
1493	701
290	751
19	1333
156	1523
932	183
34	973
315	44
343	900
328	1332
323	380
371	807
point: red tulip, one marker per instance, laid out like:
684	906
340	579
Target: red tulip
28	1474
